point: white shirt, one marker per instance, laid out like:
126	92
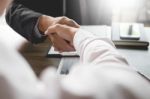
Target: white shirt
102	74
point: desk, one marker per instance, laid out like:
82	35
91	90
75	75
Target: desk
139	59
36	56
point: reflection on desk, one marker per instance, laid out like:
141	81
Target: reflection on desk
34	54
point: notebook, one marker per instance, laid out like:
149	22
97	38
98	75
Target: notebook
53	53
141	43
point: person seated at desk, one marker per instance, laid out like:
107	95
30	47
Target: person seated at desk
32	25
102	73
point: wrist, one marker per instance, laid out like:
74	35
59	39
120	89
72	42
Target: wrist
73	32
44	22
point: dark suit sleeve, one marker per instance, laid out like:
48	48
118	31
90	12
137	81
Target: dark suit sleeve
24	21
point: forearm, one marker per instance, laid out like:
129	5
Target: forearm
23	21
96	50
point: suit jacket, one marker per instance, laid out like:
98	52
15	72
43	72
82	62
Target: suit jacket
23	20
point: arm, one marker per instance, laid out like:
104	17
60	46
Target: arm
90	48
32	25
104	74
23	21
96	50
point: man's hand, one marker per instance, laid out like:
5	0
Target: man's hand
65	32
59	43
46	21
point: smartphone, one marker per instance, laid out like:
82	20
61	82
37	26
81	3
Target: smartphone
130	31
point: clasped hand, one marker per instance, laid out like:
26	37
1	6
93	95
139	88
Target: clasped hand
61	32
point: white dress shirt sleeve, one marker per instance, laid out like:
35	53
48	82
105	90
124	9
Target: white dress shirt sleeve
103	73
95	49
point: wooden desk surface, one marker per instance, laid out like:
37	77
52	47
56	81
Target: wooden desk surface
36	56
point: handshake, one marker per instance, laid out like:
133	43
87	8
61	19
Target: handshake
60	31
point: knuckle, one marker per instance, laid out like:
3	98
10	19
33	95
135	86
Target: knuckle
71	21
57	25
64	17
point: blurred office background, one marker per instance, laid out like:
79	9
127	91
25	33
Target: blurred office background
97	12
48	7
104	12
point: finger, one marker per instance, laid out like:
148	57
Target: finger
63	47
71	23
51	30
67	21
60	44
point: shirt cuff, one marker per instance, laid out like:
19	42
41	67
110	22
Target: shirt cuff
80	37
39	34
